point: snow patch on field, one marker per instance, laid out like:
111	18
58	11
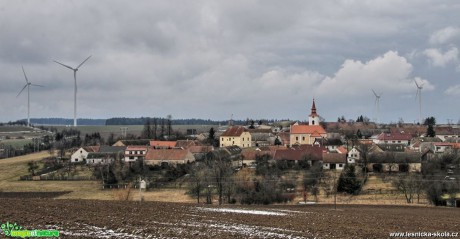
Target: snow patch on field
244	211
85	230
216	228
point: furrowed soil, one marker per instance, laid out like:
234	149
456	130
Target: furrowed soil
127	219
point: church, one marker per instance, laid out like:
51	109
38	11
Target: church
303	134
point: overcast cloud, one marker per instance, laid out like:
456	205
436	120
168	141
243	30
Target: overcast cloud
212	59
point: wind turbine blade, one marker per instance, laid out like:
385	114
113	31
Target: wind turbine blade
416	84
37	85
22	90
83	62
374	93
27	80
64	65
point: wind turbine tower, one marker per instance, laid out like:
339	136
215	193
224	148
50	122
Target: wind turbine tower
419	94
377	104
75	88
28	84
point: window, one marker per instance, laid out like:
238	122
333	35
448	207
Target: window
340	165
303	138
233	142
296	138
243	139
76	160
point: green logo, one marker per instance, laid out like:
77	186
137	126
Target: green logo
14	230
7	228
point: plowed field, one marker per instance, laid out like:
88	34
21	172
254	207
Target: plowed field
117	219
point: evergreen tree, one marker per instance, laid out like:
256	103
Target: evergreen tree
252	125
430	122
430	131
348	182
277	141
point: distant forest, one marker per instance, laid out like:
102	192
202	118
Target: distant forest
124	121
143	120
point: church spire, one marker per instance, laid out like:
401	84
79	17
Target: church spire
313	118
313	109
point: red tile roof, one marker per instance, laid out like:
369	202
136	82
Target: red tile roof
342	150
136	147
170	154
314	130
334	158
92	148
185	143
299	152
234	131
394	136
163	144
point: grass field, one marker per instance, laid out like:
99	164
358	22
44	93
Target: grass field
13	128
12	168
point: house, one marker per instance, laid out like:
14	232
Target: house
354	155
312	154
394	137
392	147
81	154
236	136
249	155
448	133
125	143
112	149
134	153
199	152
261	136
438	147
334	161
307	134
232	153
168	156
395	162
156	144
185	144
330	143
100	158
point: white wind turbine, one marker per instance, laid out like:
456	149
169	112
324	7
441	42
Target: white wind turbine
28	84
419	94
377	104
75	89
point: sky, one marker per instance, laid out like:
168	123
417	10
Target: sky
214	59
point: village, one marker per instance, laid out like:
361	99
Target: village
305	148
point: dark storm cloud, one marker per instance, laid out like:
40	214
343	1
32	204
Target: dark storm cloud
211	59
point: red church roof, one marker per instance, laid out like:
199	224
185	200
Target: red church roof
314	130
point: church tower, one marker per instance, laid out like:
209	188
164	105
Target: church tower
313	118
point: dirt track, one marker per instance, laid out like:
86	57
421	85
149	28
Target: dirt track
115	219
